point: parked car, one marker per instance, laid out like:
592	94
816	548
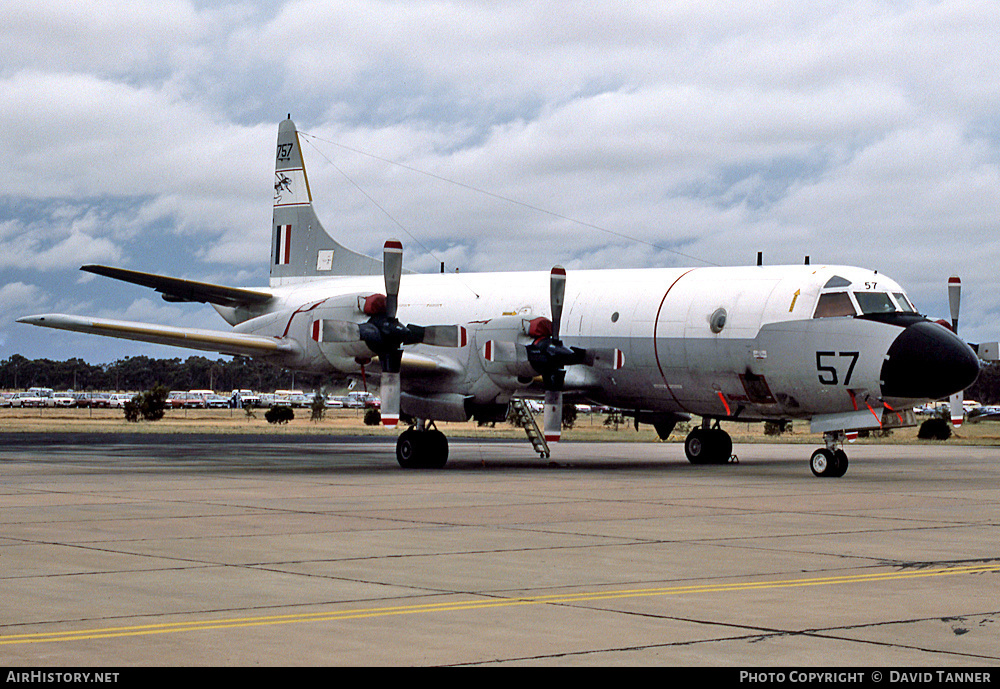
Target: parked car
98	400
216	402
299	400
244	398
194	402
118	400
185	400
59	399
26	399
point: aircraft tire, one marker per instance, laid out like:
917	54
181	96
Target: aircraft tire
408	449
722	448
825	463
696	446
436	450
708	446
841	463
422	449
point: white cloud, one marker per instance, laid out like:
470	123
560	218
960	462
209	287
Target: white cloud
26	252
16	295
855	131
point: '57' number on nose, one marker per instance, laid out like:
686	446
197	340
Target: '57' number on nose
829	365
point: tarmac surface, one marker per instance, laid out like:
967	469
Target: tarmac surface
281	551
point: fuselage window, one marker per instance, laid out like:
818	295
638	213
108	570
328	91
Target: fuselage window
834	304
904	303
874	302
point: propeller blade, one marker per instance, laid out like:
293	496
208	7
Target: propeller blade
445	335
956	406
325	330
557	292
954	300
553	415
392	266
501	351
390	399
606	359
956	402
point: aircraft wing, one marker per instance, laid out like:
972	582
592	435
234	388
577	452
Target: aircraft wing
191	338
177	289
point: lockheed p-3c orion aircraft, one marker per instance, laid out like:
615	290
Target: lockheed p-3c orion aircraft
841	346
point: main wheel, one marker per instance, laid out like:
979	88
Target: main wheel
721	446
708	446
696	446
435	450
842	462
422	449
408	449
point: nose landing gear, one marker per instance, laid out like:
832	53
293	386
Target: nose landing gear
830	460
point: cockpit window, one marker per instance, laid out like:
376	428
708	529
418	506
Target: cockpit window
837	281
904	303
833	304
874	302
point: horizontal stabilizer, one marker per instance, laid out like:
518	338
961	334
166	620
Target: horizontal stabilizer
177	289
190	338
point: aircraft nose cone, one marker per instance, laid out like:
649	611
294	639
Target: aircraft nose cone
928	361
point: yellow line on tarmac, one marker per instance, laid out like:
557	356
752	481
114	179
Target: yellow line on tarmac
361	613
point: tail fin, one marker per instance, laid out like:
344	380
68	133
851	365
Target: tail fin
301	249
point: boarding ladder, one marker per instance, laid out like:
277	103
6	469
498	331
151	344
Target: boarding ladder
521	413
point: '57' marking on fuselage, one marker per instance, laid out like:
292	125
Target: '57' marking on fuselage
828	370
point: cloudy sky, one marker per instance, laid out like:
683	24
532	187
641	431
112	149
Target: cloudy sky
141	134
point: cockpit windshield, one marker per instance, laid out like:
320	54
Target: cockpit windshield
874	302
904	303
833	304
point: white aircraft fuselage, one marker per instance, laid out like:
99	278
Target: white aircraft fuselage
768	359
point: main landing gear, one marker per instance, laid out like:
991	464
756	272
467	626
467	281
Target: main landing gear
422	447
708	445
830	460
712	445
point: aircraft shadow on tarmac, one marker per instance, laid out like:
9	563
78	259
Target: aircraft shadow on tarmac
300	454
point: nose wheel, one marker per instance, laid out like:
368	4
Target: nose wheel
830	460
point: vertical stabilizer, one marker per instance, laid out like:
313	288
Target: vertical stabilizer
301	249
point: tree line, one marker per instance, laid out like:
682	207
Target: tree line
986	389
143	373
201	373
